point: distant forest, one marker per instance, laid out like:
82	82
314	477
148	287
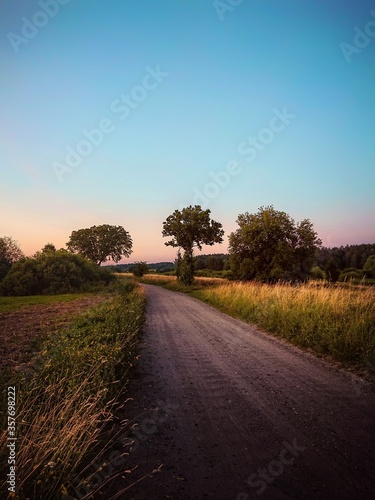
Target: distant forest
158	267
346	258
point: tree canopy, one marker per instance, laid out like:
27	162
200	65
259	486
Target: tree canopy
140	268
269	246
191	227
10	253
332	270
369	266
101	243
348	256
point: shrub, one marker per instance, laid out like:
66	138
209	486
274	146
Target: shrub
52	273
332	270
347	275
369	267
317	273
140	269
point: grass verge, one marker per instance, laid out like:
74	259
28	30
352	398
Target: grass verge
171	283
65	405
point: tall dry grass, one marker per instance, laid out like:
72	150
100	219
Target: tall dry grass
171	283
339	321
64	406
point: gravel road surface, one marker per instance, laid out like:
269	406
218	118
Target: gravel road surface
234	413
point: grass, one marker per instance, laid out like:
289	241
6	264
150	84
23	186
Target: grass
171	283
335	320
64	406
16	303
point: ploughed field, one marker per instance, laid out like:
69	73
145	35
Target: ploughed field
24	321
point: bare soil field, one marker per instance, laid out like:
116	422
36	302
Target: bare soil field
21	330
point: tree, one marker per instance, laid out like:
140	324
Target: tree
269	246
369	266
140	268
214	263
101	243
350	256
332	270
10	253
191	227
47	249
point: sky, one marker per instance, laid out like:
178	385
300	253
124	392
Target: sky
120	112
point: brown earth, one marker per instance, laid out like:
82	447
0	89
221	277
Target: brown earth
230	412
21	330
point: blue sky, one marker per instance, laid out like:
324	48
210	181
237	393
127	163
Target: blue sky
177	87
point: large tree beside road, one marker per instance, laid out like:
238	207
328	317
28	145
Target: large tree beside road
191	227
101	243
269	246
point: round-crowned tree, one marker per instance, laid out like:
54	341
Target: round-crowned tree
101	243
139	269
270	246
189	228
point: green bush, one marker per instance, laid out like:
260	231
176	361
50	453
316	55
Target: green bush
140	268
332	271
350	269
227	274
355	274
369	267
53	272
204	273
317	273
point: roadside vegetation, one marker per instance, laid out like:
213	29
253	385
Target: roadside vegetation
172	283
330	320
337	320
66	401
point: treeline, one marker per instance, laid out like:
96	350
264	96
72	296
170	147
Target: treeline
212	262
74	269
349	256
345	257
268	246
158	267
345	262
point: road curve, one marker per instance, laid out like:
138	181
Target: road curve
233	413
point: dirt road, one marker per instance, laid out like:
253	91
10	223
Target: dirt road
234	413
